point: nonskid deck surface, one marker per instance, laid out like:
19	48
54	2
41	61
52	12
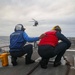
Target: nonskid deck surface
22	69
35	69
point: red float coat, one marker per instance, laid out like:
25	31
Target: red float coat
50	39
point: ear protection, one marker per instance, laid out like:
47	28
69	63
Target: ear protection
19	27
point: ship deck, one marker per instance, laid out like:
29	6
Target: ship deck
35	69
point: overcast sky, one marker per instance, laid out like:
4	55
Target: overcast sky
47	12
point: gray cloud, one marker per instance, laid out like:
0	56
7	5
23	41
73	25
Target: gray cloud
45	11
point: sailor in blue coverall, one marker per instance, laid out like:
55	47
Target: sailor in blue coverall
17	46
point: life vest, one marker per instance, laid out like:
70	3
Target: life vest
49	39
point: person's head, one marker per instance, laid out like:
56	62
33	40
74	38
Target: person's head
57	28
19	27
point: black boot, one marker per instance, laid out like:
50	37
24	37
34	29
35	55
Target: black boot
28	61
13	61
44	63
57	64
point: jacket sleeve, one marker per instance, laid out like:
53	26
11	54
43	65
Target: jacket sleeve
64	39
30	39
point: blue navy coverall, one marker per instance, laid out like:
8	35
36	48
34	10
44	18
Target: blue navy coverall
17	46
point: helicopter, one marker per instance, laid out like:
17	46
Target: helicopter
35	22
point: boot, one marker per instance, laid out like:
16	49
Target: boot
28	61
57	64
44	63
13	61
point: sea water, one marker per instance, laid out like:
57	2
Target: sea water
4	40
4	43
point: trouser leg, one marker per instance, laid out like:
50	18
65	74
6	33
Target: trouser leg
44	63
13	61
45	52
60	50
29	50
15	55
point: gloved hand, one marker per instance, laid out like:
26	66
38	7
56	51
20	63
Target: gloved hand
42	35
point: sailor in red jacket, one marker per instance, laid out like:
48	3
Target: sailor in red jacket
49	46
